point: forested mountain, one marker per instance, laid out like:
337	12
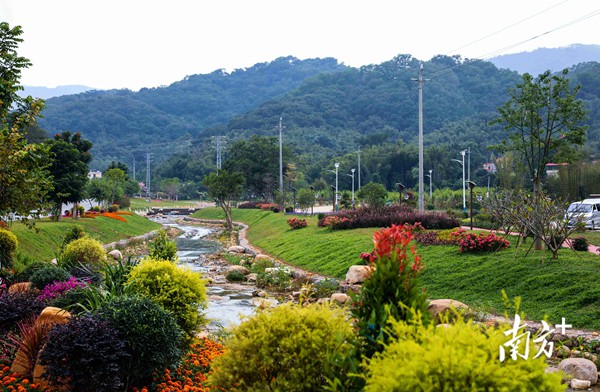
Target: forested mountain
121	122
329	111
376	108
378	103
553	59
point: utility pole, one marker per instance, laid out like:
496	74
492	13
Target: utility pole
281	155
218	138
148	157
421	187
469	164
359	168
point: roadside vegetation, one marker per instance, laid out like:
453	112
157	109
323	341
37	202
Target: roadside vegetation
553	288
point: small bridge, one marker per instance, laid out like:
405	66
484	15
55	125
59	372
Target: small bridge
172	211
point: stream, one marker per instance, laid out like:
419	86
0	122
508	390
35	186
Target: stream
227	302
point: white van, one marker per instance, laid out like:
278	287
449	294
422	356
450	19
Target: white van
588	211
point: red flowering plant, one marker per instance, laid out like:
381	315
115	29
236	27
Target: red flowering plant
296	223
482	243
391	290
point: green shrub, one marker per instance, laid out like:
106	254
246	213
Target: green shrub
47	275
287	348
85	251
74	232
580	244
461	357
180	291
86	354
8	246
113	208
153	338
71	298
324	288
162	247
125	202
30	269
392	289
235	276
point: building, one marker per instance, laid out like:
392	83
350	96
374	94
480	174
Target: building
552	168
489	167
94	174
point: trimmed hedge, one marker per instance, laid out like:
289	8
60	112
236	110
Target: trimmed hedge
388	216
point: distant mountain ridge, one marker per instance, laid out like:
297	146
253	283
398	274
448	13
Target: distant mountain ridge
51	92
542	59
328	108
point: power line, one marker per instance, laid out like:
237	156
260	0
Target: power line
507	27
496	52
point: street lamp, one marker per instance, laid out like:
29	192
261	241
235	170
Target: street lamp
471	187
430	186
352	175
463	152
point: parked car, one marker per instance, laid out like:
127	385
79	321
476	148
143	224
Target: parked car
586	211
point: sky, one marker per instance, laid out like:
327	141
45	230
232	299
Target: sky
149	43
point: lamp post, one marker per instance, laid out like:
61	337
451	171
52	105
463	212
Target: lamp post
352	175
463	152
430	185
471	187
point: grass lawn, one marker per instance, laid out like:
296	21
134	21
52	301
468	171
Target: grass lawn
557	288
43	243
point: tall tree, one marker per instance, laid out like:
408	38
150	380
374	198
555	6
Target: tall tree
258	160
24	179
69	168
171	187
224	188
115	178
545	119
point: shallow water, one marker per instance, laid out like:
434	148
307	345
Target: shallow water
227	304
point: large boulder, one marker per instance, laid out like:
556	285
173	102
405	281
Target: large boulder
116	254
580	369
358	274
340	298
49	316
237	268
438	307
236	249
261	256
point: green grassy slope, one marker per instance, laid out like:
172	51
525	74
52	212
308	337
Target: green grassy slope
557	288
42	243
